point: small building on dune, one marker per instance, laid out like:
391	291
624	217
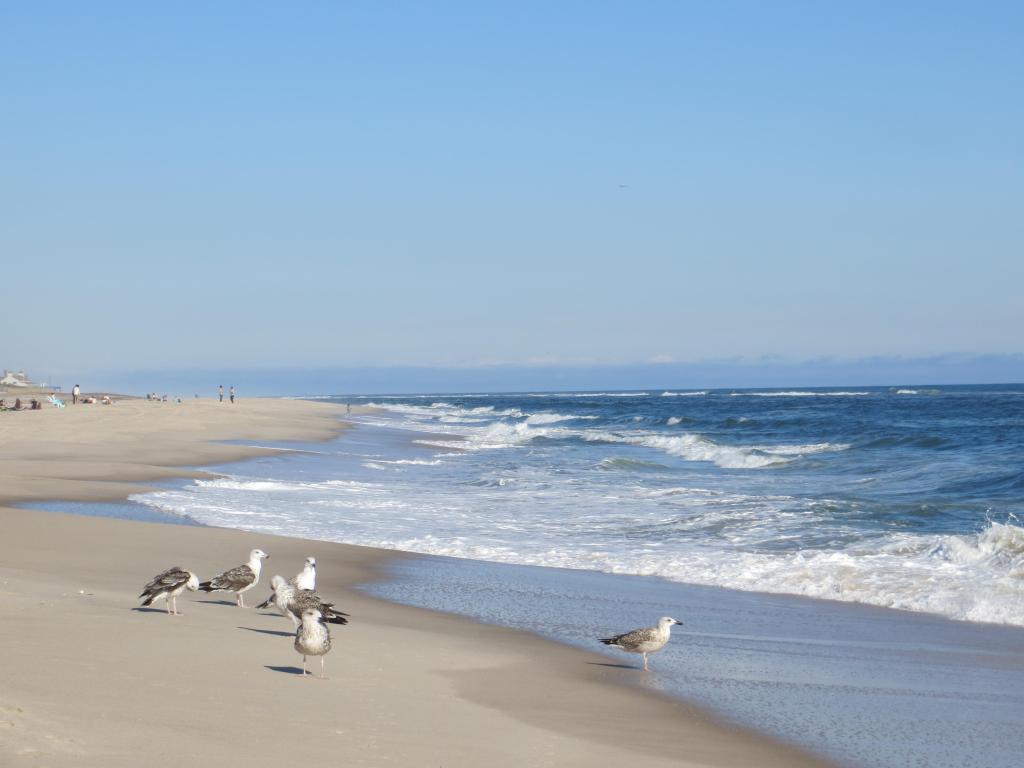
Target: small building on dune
16	379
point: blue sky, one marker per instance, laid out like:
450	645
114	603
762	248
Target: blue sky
365	184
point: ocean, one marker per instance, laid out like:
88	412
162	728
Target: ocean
777	524
908	498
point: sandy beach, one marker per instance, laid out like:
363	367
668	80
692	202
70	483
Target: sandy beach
89	679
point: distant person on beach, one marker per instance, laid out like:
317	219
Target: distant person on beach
231	394
75	392
220	392
348	408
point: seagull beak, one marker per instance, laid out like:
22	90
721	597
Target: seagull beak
679	622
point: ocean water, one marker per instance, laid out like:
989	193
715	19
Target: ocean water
907	498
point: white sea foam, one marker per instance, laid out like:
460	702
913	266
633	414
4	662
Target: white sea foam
508	433
683	394
801	450
973	578
588	394
417	462
382	464
695	447
709	536
906	392
553	418
798	393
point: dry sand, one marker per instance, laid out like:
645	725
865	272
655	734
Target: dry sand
88	679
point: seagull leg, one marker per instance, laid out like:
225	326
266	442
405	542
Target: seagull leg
323	674
167	605
645	663
304	665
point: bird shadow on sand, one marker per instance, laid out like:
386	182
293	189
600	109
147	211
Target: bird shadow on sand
215	602
285	670
149	610
612	665
269	632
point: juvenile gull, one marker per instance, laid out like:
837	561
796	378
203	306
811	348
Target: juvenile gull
239	579
292	602
312	638
306	578
646	640
167	586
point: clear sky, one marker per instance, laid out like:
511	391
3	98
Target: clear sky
230	185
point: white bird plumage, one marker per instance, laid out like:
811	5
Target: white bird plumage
306	578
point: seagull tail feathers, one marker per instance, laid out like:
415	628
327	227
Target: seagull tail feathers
149	599
266	603
206	586
608	640
336	618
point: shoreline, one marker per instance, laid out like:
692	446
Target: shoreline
480	692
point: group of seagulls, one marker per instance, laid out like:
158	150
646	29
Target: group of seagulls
295	599
310	614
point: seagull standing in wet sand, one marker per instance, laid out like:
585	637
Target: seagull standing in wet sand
306	578
238	580
646	640
312	638
292	602
167	586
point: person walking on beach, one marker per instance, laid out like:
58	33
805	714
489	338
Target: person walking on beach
231	394
220	392
75	392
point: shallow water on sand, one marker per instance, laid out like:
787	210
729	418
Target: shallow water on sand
867	686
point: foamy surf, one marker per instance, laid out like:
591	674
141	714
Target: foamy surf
973	577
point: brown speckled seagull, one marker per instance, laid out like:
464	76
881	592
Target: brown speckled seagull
292	602
167	586
312	638
238	580
644	641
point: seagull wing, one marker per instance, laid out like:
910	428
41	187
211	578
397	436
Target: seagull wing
307	599
633	638
233	580
166	581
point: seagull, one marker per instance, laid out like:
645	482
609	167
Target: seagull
306	578
167	586
292	602
646	640
312	638
239	579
